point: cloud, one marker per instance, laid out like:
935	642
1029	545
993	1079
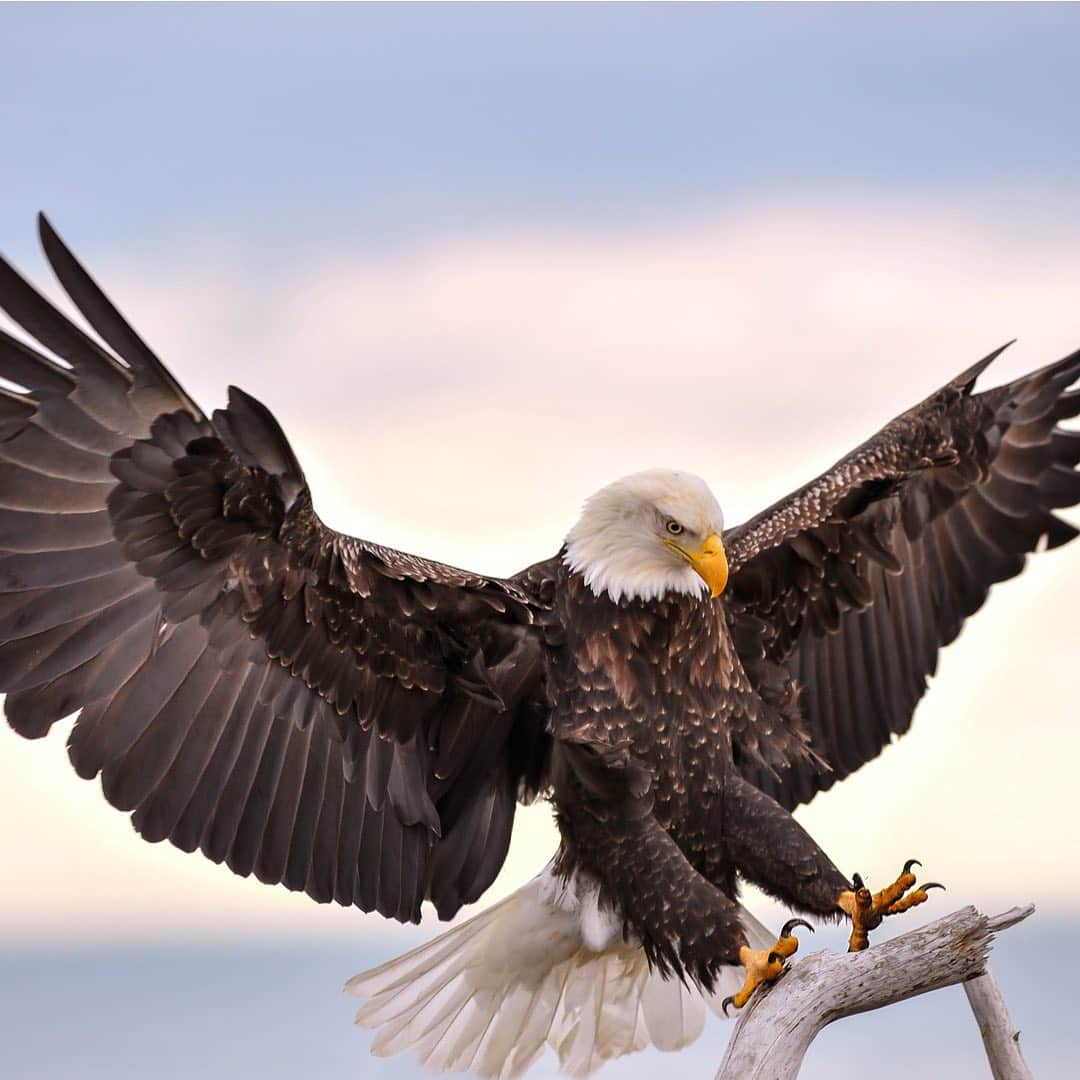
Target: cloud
460	399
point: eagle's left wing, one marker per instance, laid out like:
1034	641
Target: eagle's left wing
845	591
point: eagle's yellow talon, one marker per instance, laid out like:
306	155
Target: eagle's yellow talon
913	898
866	909
765	965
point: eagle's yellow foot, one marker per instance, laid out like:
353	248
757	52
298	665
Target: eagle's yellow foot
765	965
866	909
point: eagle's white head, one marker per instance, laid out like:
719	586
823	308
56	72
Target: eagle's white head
650	534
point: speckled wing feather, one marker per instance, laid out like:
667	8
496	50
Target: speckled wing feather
309	707
847	589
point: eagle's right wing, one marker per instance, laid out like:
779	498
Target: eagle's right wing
312	708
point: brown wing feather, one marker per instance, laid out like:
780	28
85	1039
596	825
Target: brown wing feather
308	707
850	587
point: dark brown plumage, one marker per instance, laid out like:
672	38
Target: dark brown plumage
358	723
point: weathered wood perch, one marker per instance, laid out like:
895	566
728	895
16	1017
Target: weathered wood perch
774	1032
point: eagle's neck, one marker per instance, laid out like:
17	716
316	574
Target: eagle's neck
628	571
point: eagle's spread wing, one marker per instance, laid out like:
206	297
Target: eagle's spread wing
312	708
851	585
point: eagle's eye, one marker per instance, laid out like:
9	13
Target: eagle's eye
675	528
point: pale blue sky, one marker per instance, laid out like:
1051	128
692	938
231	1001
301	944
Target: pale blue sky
277	124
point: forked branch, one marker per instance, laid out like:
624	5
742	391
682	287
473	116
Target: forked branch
774	1032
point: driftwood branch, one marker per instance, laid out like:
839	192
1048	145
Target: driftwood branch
999	1036
774	1032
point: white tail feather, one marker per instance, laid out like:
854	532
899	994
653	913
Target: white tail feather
545	966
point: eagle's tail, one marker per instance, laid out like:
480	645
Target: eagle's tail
543	966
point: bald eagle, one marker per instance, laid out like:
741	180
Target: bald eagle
344	719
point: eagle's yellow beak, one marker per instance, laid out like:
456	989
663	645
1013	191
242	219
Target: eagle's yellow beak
709	561
711	564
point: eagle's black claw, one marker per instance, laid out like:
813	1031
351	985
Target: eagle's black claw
725	1003
909	864
933	885
785	930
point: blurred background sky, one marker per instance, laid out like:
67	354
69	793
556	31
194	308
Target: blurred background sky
481	260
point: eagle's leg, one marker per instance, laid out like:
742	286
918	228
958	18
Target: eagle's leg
866	909
771	849
765	965
684	922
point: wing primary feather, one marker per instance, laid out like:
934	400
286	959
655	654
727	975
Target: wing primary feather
355	812
159	815
131	777
196	826
322	875
251	829
33	371
281	819
230	791
100	313
301	846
